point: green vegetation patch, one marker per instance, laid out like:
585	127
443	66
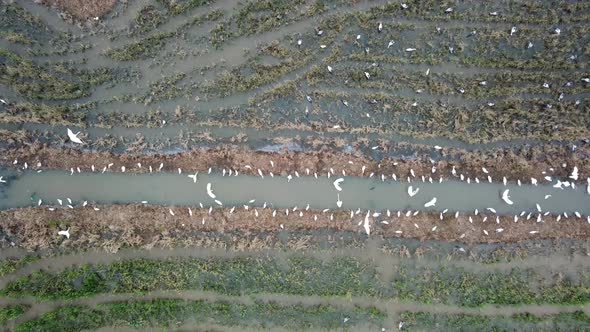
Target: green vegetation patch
11	312
257	17
10	265
47	114
173	313
176	7
19	26
32	81
456	287
577	321
302	276
50	82
307	276
142	49
149	18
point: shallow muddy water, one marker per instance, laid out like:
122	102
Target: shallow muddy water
278	192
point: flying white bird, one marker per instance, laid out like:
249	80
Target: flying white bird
412	192
4	181
337	184
506	197
209	191
430	203
74	137
65	233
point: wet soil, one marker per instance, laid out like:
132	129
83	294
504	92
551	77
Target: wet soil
119	226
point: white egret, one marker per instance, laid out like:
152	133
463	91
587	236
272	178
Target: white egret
574	175
209	191
513	31
74	137
506	197
430	203
194	176
366	224
412	192
337	184
65	233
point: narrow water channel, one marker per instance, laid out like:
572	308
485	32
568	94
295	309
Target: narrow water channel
366	193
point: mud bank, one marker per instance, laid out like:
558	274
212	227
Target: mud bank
120	226
524	163
82	10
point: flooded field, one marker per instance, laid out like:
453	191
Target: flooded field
294	165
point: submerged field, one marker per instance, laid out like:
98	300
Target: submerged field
201	193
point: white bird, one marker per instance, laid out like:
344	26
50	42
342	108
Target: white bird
513	31
4	181
574	175
410	49
337	184
74	137
209	191
194	177
330	69
367	75
506	197
412	192
366	224
449	10
587	186
380	27
494	14
391	42
65	233
430	203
